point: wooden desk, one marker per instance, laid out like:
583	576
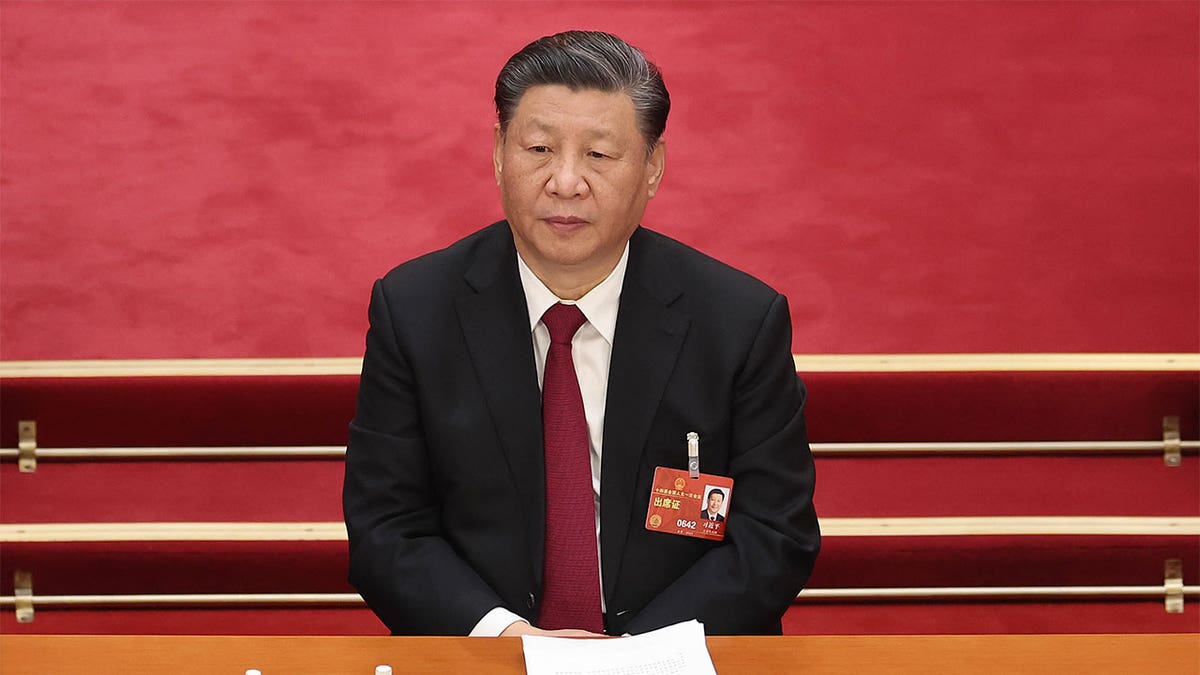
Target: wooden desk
810	655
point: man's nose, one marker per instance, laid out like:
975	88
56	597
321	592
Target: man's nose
566	180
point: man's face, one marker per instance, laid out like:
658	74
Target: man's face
714	502
574	181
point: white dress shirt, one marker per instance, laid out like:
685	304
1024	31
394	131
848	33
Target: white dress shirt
591	351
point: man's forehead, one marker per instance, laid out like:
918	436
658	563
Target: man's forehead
595	111
547	125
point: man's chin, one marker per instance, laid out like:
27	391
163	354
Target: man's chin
568	251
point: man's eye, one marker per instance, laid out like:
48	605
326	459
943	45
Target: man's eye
539	148
597	155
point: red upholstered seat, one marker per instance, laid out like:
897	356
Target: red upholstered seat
843	407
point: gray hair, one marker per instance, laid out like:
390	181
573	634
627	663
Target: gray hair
587	60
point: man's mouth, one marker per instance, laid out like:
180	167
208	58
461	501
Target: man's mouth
564	220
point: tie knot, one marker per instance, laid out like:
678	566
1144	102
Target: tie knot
563	321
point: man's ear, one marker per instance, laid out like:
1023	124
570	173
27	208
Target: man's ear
658	164
497	151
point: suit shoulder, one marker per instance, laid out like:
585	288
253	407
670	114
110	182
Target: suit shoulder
438	272
703	274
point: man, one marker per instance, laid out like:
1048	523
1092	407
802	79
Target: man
463	482
715	499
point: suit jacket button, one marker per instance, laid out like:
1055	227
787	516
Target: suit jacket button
530	602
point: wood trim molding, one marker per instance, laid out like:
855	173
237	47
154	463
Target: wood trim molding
830	527
731	655
183	531
805	363
1011	525
896	363
182	368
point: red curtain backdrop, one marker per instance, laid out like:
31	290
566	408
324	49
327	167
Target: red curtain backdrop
221	179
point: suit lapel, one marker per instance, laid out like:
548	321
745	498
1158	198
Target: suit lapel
645	347
495	324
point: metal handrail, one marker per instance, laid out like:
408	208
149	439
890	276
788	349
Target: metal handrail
1000	447
991	593
191	599
819	449
1030	593
182	452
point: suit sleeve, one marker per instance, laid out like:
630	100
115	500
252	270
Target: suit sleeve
744	585
399	561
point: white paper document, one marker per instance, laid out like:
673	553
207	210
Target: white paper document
678	649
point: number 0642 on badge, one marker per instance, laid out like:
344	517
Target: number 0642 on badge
690	507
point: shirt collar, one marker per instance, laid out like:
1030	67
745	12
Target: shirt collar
599	305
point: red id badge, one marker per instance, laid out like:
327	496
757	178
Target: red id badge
691	507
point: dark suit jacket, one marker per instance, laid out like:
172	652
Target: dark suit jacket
446	444
704	516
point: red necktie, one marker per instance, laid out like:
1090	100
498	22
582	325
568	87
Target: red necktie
571	575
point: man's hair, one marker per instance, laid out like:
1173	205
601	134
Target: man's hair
716	491
587	60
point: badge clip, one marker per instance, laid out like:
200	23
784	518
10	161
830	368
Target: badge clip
693	452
